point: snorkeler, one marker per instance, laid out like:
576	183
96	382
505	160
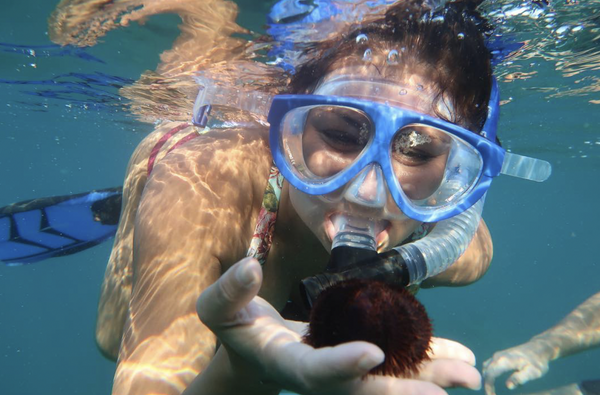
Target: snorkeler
577	332
428	75
428	72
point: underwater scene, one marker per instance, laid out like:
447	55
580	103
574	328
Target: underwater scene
83	82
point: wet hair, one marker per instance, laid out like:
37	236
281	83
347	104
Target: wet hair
445	46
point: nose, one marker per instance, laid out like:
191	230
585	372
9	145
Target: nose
368	187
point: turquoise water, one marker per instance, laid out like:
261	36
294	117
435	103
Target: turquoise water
545	235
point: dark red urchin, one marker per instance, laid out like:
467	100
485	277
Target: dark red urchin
383	314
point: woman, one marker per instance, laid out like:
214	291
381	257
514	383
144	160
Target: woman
196	216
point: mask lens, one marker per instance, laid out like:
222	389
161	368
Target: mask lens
320	142
434	168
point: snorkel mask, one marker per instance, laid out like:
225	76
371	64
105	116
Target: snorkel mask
348	151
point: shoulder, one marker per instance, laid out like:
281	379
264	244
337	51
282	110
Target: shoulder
222	153
212	184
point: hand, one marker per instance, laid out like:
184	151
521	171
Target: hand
258	339
529	362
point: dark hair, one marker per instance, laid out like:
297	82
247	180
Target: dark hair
447	46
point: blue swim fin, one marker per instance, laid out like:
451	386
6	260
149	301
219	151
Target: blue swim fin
48	227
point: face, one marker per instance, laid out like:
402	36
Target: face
334	137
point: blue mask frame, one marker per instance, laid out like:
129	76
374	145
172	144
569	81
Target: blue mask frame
388	120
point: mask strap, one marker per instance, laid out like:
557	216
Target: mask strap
526	167
257	103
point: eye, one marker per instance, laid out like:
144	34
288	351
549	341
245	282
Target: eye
344	138
342	129
417	145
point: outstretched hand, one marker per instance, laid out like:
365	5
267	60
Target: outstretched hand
258	339
527	362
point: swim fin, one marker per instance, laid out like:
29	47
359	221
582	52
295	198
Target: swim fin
38	229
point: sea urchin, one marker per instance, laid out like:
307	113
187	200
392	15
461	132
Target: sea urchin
383	314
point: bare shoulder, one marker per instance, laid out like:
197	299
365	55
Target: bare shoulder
210	187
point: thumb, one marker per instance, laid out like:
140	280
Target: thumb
522	376
220	304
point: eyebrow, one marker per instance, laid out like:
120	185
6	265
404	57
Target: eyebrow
347	116
351	121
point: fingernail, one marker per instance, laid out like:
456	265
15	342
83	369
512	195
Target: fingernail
246	274
369	361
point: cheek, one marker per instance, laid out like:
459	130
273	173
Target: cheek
401	230
308	208
319	158
420	182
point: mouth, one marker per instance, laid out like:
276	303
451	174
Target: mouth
380	230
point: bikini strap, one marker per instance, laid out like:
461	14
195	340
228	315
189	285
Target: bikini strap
157	147
265	226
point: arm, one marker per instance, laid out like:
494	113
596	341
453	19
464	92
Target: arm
115	293
262	352
471	266
578	331
195	214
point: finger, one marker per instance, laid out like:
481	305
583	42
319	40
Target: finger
343	362
522	376
491	370
488	385
299	327
449	349
496	366
384	385
449	373
221	303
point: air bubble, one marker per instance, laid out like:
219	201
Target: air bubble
402	92
460	36
563	29
368	55
393	57
362	39
420	87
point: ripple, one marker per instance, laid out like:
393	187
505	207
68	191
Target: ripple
564	36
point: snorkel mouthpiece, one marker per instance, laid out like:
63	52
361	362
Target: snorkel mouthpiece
353	232
353	245
404	265
354	241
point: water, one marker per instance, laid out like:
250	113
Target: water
545	262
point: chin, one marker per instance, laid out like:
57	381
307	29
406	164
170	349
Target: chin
386	315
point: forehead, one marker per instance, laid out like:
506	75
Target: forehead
402	89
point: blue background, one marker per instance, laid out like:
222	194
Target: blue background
545	235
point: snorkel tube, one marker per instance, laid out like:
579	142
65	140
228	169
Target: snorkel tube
406	265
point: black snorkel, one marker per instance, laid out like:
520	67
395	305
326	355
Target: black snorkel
355	256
